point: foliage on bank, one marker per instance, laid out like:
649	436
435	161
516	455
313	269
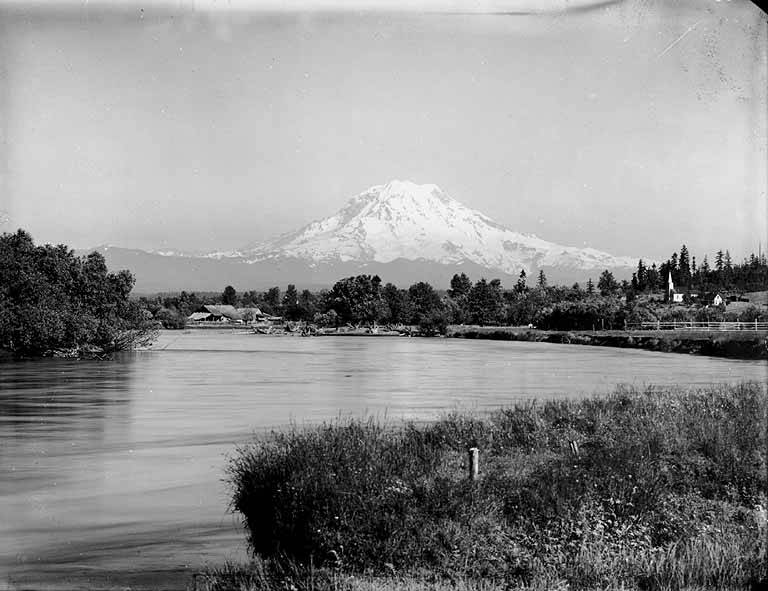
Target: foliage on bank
660	494
53	302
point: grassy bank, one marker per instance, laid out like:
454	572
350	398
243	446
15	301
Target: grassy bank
652	489
734	344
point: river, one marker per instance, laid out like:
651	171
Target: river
112	472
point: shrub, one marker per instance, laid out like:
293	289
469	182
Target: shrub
660	474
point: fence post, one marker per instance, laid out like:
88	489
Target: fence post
474	463
755	324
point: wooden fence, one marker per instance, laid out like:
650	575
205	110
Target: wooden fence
703	326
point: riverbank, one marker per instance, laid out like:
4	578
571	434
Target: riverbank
660	488
731	344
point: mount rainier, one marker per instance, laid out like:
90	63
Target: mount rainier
402	231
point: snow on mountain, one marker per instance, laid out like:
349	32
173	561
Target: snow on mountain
404	220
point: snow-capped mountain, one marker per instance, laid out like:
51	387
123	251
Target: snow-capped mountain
401	231
404	220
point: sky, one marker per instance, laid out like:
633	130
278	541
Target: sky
628	126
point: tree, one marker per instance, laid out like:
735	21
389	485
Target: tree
460	286
229	296
271	301
542	282
607	283
398	305
291	308
53	301
684	265
424	300
458	295
307	305
357	299
520	286
719	263
486	303
653	278
590	286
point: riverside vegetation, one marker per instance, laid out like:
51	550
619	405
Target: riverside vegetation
660	488
55	303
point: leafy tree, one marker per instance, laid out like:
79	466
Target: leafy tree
358	299
271	301
423	299
434	322
607	283
398	304
52	300
486	303
329	318
460	286
308	305
291	308
171	318
229	297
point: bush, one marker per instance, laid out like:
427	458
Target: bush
659	475
171	318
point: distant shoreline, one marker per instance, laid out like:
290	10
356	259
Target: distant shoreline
743	344
730	344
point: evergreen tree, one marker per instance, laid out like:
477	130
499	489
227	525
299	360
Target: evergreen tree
520	287
542	281
653	278
719	262
641	276
684	265
590	286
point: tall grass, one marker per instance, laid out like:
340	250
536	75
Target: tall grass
661	494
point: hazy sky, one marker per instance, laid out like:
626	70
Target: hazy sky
631	126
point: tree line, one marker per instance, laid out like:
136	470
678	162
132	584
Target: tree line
607	304
366	300
722	274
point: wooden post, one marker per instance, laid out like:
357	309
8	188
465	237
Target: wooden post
474	463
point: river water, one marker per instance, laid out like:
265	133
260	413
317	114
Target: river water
112	473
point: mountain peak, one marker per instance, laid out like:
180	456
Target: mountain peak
405	220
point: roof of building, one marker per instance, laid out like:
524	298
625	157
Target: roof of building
199	316
221	310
